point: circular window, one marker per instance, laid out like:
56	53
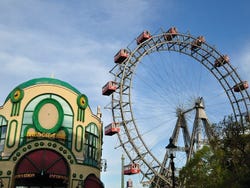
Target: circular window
48	116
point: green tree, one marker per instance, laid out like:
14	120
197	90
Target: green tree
235	145
203	170
225	163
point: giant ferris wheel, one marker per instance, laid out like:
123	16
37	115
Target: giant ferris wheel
170	86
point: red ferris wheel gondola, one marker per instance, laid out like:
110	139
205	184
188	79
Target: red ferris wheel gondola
221	61
112	129
130	169
145	35
171	33
241	86
109	88
121	56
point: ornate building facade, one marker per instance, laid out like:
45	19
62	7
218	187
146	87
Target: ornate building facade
49	137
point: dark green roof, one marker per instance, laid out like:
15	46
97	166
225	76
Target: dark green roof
45	81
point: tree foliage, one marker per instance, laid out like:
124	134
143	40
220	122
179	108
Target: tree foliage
225	163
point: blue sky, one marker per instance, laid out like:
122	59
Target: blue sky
76	41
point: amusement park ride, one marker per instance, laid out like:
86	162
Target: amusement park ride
155	172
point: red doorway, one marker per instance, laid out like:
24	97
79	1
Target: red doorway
42	168
93	182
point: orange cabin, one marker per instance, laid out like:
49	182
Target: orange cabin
121	56
171	33
145	35
133	168
221	61
109	88
112	128
241	86
197	42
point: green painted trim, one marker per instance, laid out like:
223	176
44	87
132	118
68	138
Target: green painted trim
45	81
4	120
92	160
16	95
44	144
66	137
15	109
36	113
80	115
18	108
82	101
81	139
3	124
65	129
24	136
10	130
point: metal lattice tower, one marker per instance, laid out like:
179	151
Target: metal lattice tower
154	171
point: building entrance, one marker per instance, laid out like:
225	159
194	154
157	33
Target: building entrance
39	182
42	168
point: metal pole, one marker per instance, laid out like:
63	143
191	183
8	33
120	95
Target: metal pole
172	168
122	172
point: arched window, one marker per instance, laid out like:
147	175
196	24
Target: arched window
3	130
29	130
92	145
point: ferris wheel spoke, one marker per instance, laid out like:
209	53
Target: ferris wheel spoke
166	86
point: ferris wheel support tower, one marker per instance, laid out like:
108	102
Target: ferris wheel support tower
194	141
128	130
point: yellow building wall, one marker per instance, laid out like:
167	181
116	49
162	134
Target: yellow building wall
11	155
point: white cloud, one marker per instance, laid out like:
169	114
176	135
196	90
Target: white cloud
76	41
244	62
